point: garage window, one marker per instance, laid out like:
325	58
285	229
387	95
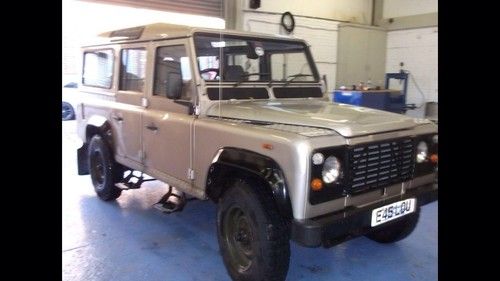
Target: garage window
98	68
132	70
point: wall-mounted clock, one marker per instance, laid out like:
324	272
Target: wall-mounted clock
288	22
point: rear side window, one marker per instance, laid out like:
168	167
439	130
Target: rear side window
98	68
132	69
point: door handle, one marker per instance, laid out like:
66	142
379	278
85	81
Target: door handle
152	127
118	118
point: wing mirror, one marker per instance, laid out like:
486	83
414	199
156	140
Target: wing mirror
174	85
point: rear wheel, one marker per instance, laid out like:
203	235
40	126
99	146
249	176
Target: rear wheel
253	237
104	171
397	230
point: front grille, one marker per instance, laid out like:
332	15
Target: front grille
378	165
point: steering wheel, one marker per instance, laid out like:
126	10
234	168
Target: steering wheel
216	70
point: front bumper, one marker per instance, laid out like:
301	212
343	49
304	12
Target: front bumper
334	228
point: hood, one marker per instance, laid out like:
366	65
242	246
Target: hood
347	120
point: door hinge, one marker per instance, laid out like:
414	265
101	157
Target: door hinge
191	174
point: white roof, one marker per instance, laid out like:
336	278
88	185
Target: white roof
157	31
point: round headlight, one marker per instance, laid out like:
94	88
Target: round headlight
331	169
318	158
435	139
422	152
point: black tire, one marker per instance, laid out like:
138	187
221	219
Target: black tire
253	236
104	171
68	113
396	231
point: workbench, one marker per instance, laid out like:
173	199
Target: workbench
389	100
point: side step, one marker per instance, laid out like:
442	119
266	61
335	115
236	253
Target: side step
132	181
171	202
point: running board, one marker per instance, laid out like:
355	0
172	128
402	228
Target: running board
171	202
129	183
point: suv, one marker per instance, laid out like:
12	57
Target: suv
241	119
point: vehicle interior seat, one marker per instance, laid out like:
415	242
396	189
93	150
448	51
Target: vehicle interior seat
233	72
166	70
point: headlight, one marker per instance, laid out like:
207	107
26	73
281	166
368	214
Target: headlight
435	139
422	152
331	169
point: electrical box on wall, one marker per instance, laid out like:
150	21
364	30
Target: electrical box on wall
254	4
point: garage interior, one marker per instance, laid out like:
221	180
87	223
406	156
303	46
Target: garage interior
353	42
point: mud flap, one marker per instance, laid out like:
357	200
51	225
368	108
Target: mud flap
83	160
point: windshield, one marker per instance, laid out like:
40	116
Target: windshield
240	59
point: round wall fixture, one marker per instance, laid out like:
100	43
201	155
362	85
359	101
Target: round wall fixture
288	22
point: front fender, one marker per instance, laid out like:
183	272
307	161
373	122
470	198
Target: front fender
99	125
230	161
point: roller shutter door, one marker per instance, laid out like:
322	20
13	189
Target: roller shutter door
213	8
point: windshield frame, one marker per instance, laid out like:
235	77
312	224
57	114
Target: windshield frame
268	82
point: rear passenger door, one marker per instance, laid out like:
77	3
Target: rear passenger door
127	115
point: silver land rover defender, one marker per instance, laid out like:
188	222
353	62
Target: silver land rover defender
242	119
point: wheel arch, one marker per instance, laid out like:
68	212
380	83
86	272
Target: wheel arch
95	125
231	162
99	125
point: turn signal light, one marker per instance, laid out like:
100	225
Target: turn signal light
267	146
316	184
434	158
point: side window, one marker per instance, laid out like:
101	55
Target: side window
170	61
132	69
98	68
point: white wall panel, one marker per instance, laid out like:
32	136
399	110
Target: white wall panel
418	49
320	34
403	8
358	11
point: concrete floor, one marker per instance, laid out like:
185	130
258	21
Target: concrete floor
130	240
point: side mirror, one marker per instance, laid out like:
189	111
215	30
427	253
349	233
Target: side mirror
174	85
171	71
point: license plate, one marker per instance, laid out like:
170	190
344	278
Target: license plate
393	211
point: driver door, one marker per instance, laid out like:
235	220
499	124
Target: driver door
167	123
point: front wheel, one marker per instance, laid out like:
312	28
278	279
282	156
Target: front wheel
396	231
104	171
253	237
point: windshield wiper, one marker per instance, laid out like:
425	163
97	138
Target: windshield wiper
294	76
242	76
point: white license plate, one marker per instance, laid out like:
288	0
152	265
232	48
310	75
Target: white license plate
393	211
